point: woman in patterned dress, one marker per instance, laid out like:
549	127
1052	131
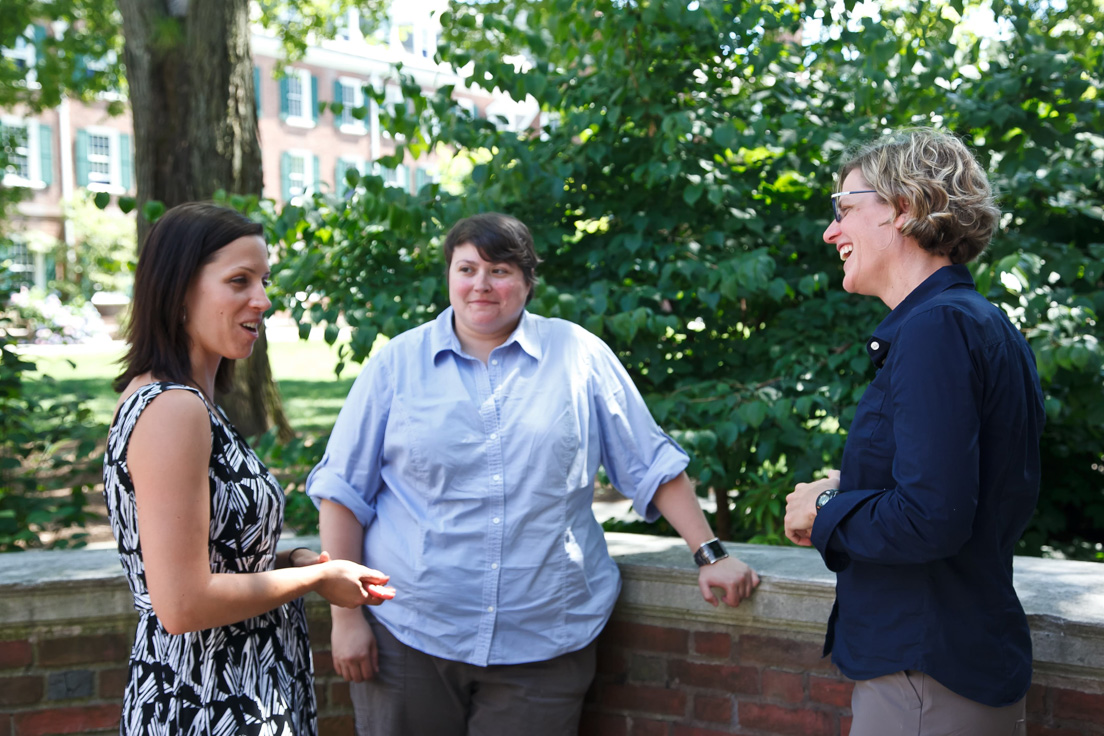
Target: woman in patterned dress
221	645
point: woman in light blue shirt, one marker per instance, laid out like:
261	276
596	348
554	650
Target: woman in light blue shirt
463	463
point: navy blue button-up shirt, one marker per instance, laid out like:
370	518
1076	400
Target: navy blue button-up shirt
939	478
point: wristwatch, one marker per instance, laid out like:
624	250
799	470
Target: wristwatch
825	497
710	552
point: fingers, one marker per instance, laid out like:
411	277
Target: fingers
707	592
323	556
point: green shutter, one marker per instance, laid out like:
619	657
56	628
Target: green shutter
339	99
46	153
82	158
285	176
126	162
283	97
39	43
316	175
339	177
257	90
402	177
421	178
313	115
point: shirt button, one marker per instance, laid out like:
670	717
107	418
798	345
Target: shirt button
494	361
495	520
494	435
875	345
494	565
496	476
490	609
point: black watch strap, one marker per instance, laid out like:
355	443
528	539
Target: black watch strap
710	552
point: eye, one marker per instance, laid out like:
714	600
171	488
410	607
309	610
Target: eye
266	281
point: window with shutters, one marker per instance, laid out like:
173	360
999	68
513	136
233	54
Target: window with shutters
23	55
350	94
27	146
299	174
298	98
344	165
104	160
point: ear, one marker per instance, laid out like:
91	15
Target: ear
900	220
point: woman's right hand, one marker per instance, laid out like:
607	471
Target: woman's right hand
349	585
353	646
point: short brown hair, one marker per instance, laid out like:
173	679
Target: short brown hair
499	239
934	179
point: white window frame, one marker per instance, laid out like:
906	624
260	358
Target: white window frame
310	176
352	162
25	51
114	181
391	176
349	124
303	76
30	151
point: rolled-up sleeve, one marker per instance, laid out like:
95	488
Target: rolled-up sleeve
349	473
638	456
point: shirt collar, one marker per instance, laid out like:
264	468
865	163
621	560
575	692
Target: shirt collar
526	335
948	277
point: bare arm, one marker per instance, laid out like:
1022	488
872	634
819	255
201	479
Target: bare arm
168	459
678	503
352	644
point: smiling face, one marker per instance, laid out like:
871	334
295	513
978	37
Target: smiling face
226	302
487	298
867	238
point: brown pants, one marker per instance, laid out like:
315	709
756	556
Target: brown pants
415	693
911	703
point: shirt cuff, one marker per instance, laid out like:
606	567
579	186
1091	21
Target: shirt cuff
326	485
670	461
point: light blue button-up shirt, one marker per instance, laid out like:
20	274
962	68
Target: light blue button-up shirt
474	483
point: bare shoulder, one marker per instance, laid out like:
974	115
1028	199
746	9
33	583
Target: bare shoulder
174	422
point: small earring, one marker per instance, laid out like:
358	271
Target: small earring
184	316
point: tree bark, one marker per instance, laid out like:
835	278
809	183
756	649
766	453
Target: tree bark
190	72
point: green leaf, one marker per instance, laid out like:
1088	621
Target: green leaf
102	200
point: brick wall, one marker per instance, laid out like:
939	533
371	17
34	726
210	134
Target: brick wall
668	664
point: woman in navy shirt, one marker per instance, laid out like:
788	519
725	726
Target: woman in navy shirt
940	473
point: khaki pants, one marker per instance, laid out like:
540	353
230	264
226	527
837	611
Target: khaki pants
911	703
415	693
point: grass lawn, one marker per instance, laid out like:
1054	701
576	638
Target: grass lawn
304	370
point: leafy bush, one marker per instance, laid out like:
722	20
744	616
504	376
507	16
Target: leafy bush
676	183
48	453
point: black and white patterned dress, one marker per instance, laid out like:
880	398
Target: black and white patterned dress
252	677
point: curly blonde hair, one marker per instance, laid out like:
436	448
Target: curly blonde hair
934	179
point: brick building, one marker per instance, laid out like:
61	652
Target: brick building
77	146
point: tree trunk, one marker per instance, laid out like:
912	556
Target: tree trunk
190	72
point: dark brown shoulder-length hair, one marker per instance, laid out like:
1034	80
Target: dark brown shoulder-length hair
177	246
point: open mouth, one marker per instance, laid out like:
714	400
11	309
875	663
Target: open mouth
845	252
252	327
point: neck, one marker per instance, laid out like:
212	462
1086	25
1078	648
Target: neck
479	345
916	267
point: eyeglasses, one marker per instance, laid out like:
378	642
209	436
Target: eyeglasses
837	195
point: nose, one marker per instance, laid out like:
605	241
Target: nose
832	231
482	281
260	299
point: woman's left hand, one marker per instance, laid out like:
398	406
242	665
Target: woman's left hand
801	510
732	576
